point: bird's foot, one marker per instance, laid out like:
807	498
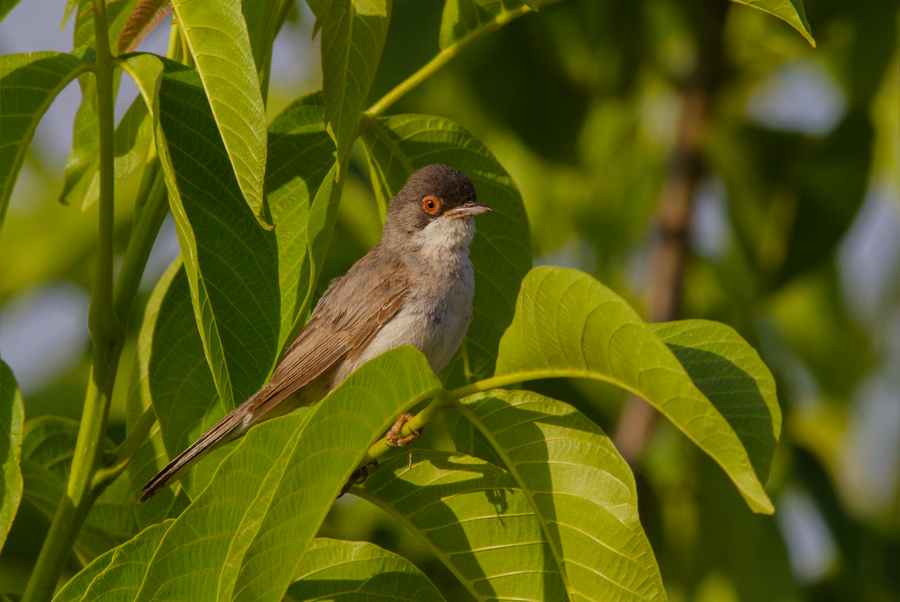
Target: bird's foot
358	477
393	435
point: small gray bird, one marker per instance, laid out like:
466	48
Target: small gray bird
415	287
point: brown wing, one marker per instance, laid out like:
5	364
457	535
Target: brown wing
350	313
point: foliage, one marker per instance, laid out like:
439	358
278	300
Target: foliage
515	494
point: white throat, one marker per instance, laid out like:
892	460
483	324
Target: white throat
446	239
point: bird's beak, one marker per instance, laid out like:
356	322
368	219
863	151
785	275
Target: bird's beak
468	209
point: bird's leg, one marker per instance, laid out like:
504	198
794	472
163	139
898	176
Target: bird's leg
358	476
393	435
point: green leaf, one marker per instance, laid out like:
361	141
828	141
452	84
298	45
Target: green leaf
278	484
217	37
48	444
474	518
133	137
117	575
568	324
353	33
283	519
581	489
734	378
501	251
28	84
6	6
356	571
83	157
300	158
12	416
231	263
466	18
790	11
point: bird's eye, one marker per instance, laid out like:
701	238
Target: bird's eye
430	205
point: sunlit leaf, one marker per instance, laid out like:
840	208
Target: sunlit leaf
277	484
12	416
357	571
789	11
474	518
501	251
568	324
117	574
217	37
28	84
581	489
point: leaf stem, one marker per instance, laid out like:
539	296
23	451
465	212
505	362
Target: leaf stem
441	59
125	452
86	479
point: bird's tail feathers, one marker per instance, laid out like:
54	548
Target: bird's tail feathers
228	429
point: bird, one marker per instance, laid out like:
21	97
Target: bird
415	287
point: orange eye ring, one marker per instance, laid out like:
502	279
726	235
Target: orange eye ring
430	205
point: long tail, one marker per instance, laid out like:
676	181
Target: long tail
226	430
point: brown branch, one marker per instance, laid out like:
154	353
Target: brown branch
683	173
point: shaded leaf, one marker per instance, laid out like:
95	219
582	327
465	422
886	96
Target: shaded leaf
501	250
48	444
12	416
230	262
353	33
28	84
789	11
465	18
581	489
357	571
217	37
734	378
474	518
568	324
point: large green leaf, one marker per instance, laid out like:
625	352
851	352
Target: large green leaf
790	11
277	486
356	571
12	415
117	574
217	37
353	33
501	251
231	263
568	324
283	519
28	84
581	489
48	444
466	18
474	518
734	378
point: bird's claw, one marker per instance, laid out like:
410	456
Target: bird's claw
393	435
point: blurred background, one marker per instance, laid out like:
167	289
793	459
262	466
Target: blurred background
698	157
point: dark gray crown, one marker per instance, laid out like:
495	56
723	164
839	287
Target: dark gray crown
450	187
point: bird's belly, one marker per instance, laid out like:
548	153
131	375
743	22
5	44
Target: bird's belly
435	329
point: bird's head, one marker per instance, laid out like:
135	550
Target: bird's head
437	206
